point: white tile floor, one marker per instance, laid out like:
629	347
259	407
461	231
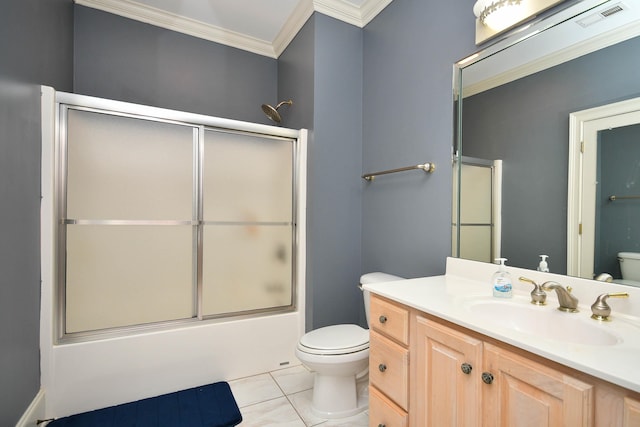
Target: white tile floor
283	398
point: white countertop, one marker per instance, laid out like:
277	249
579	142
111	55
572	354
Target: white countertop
467	284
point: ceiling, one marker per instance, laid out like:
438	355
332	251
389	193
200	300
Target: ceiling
264	27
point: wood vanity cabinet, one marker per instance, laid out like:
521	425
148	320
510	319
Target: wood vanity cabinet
456	377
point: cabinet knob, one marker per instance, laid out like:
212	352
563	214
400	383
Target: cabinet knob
487	377
466	368
382	367
381	425
383	319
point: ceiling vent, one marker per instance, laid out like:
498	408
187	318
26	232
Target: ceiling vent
599	16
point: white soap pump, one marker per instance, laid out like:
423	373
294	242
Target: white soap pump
543	266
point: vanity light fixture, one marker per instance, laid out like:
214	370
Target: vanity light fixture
498	14
494	17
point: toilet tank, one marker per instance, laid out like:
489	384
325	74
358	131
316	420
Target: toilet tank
375	277
629	265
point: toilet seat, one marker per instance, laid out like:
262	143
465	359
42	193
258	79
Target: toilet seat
335	340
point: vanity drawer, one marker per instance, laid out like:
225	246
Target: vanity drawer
390	319
389	369
384	412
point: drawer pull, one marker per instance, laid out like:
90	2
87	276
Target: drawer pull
383	319
487	377
382	367
466	368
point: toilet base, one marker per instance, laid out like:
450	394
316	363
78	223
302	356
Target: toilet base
339	396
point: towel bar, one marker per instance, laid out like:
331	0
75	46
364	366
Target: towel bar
427	167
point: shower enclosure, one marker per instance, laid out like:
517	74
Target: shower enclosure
160	227
162	220
476	213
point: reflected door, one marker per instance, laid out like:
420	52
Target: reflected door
477	235
610	193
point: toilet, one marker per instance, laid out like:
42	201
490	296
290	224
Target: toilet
630	268
339	356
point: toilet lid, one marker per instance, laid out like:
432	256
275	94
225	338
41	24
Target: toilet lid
336	339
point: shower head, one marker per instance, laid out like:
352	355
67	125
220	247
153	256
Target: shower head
272	112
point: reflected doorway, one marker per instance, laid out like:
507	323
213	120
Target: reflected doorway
604	188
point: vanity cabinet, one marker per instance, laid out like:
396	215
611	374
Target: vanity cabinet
388	364
463	380
440	374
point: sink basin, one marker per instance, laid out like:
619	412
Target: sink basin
546	322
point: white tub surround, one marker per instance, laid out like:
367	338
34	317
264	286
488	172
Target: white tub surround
468	283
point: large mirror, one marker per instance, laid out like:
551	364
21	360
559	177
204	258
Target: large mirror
513	187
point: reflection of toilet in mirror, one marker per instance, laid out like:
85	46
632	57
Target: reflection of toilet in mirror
630	268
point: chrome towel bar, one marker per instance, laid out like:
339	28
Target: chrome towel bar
613	198
427	167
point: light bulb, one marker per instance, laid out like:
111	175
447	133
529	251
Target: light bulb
504	16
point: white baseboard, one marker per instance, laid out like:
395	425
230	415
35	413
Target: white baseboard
35	411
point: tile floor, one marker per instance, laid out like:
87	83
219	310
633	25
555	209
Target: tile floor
283	398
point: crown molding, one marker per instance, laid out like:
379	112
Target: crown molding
350	13
339	9
294	24
371	8
160	18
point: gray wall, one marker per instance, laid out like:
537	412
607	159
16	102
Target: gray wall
296	81
322	71
118	58
36	48
335	206
409	51
529	130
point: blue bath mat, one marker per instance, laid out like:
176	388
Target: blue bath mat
211	405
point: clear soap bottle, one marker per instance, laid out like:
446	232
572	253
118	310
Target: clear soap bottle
501	281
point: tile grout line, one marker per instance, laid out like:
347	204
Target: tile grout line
288	400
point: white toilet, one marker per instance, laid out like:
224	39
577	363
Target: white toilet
338	355
630	268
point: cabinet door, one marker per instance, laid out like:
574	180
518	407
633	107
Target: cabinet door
527	393
631	412
445	394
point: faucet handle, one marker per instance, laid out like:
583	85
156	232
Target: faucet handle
538	296
600	309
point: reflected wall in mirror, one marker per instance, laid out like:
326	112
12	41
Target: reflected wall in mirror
524	122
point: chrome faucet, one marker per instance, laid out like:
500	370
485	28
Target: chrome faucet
600	309
538	297
568	302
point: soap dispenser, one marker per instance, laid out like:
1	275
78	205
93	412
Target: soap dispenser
543	266
501	281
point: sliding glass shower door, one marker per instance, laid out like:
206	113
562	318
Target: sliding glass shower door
164	221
